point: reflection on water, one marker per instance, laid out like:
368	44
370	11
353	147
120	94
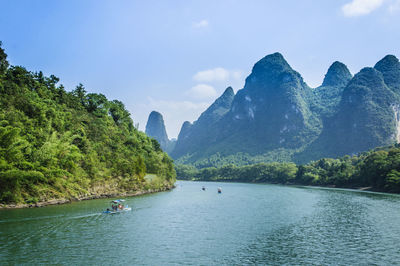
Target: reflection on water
343	229
246	224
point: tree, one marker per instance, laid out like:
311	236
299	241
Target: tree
80	93
120	115
59	144
3	60
393	181
374	168
96	103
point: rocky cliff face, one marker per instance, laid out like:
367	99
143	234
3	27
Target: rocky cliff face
155	128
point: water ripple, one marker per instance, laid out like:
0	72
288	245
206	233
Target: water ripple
246	224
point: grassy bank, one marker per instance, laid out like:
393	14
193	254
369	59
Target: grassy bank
152	184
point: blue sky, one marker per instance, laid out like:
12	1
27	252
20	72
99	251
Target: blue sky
176	57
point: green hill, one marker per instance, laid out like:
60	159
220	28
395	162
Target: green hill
277	117
56	144
366	116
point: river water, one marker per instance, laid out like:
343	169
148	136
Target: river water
245	224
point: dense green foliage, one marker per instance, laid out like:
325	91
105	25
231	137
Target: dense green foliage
59	144
240	158
378	169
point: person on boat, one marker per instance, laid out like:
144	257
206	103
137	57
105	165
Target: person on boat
120	206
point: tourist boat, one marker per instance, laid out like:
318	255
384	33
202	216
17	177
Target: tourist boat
117	206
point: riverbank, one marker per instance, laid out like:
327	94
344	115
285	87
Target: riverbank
89	197
355	188
375	170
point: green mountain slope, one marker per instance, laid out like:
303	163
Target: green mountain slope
389	66
330	92
277	117
270	117
367	117
56	144
272	111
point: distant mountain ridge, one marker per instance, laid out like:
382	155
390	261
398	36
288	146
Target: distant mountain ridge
278	117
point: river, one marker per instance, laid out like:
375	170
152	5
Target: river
245	224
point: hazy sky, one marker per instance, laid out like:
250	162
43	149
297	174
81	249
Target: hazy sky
176	57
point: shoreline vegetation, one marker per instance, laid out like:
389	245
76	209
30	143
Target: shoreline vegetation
89	197
59	145
365	189
376	170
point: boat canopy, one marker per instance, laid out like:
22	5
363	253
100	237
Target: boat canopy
118	201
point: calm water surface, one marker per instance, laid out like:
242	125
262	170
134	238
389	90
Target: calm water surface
246	224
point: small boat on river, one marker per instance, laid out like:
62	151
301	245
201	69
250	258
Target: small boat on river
117	206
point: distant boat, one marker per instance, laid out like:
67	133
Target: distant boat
219	190
203	188
118	207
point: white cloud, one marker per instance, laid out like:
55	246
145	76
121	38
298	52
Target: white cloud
218	74
202	91
201	24
360	7
210	75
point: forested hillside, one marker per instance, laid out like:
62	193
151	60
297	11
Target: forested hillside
378	170
277	117
56	144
